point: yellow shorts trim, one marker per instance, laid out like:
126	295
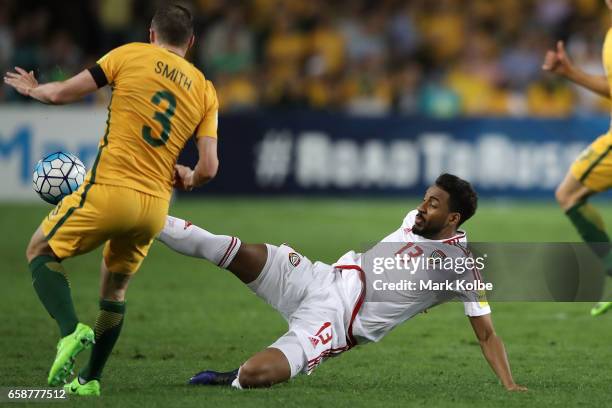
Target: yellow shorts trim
593	168
125	219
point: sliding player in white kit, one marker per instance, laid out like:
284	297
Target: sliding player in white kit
326	305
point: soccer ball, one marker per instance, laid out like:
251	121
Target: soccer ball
58	175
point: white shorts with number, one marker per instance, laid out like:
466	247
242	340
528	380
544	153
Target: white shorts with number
316	302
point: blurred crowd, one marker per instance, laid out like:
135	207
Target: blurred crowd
439	58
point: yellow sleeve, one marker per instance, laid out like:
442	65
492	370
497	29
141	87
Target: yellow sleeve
111	62
210	121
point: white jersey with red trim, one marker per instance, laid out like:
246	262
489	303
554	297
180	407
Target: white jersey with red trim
374	319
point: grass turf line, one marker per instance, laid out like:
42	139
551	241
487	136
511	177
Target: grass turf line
185	315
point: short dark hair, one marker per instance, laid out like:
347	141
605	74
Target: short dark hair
463	197
173	24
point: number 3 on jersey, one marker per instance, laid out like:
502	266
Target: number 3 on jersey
162	117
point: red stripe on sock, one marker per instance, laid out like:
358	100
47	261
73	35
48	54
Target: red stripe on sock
229	250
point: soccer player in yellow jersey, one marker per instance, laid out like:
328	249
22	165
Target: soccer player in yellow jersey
591	172
159	101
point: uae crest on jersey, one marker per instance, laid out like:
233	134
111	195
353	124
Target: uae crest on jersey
437	254
436	259
294	259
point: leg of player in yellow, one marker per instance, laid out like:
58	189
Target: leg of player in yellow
573	196
122	256
589	174
127	221
51	283
113	287
592	171
53	289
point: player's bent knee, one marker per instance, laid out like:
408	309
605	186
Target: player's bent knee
571	192
562	196
30	252
254	377
118	296
251	376
38	246
114	286
567	199
258	375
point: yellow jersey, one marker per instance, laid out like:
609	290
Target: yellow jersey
607	56
159	100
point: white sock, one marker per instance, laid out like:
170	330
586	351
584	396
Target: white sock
236	382
189	239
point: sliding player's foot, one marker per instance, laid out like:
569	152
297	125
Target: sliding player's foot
67	349
601	308
89	388
213	378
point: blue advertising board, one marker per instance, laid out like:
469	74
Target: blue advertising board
301	153
319	153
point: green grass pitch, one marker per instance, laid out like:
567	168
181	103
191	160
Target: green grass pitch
185	315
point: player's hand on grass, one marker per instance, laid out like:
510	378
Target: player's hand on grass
557	61
183	177
22	81
516	387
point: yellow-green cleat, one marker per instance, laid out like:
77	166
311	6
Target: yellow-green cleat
90	388
67	349
601	308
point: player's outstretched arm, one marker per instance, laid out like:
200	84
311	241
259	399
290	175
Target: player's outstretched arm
204	171
494	351
56	93
558	62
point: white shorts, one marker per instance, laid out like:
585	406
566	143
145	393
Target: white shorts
313	300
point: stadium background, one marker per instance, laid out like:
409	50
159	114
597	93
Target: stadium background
334	117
